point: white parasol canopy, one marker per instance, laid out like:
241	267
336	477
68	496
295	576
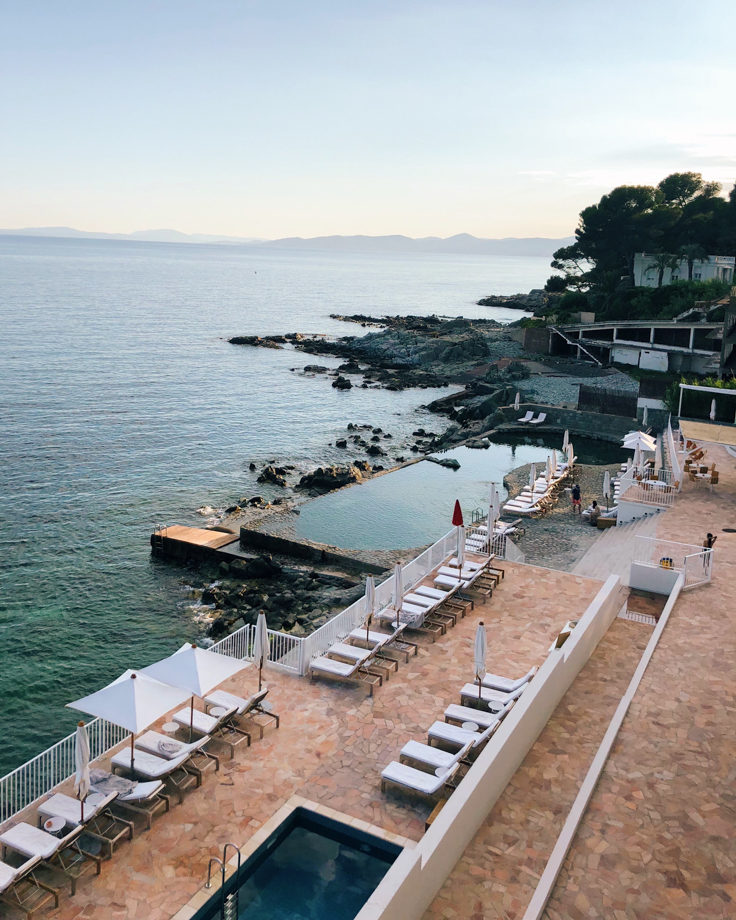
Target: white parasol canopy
369	603
81	758
195	669
639	439
517	401
479	655
398	597
261	647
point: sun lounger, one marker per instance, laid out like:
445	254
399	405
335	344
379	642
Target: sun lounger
538	421
433	757
352	653
199	761
505	684
98	820
488	694
153	767
218	729
385	643
245	709
483	718
145	799
416	780
63	855
461	737
448	598
342	670
19	888
527	418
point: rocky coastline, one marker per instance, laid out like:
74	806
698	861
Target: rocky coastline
537	301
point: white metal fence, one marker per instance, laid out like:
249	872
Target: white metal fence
648	487
34	779
694	561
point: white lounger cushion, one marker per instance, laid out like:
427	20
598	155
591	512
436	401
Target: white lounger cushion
448	582
376	638
488	694
343	650
201	722
433	592
168	748
64	806
231	701
149	765
527	418
420	600
538	421
31	841
143	791
403	775
504	683
443	731
467	564
333	666
479	716
463	574
432	756
8	874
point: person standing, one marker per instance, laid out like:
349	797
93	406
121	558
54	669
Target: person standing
595	513
709	541
576	508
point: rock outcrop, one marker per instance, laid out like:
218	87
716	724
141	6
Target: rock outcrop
328	478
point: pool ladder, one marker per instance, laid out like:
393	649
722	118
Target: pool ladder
229	904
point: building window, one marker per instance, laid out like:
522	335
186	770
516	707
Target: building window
696	276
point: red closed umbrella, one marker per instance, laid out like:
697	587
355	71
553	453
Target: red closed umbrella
457	515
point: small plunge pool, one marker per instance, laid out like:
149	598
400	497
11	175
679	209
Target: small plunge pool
310	868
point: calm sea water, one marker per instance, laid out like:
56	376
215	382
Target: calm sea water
122	405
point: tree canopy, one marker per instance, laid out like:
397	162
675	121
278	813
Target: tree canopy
682	218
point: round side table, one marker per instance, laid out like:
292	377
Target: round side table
218	712
470	726
54	826
170	727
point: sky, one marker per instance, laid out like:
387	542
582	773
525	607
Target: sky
276	118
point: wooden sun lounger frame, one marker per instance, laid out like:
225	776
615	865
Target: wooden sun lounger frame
24	892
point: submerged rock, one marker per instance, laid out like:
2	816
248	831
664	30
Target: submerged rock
449	462
342	383
273	475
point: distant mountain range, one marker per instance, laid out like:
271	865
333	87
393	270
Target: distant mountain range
461	243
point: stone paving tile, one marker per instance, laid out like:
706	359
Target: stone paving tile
658	840
333	742
499	870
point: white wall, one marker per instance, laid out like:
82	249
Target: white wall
652	578
411	884
623	355
653	360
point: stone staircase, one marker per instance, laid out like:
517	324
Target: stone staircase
612	552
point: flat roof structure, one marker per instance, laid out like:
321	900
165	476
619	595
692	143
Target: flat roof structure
710	433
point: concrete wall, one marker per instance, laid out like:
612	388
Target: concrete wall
413	881
536	340
652	578
316	552
590	424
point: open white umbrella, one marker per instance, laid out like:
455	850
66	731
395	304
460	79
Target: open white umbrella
532	477
607	487
398	598
261	647
81	758
712	410
639	439
370	603
133	701
565	439
480	655
196	670
517	401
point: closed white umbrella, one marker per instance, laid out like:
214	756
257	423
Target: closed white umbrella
398	591
369	604
565	439
490	524
196	670
532	477
81	757
712	410
606	487
133	701
645	416
480	655
548	469
517	401
460	547
637	456
261	647
570	455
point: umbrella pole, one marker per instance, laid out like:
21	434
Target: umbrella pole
132	752
191	720
260	676
479	687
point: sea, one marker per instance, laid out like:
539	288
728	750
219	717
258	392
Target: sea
123	407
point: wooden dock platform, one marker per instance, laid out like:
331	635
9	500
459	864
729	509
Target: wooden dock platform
193	542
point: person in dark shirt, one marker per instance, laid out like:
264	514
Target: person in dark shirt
595	513
576	499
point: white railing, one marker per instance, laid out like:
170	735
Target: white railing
237	645
34	779
513	553
669	555
283	648
648	487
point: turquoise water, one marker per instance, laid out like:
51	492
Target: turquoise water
122	406
413	506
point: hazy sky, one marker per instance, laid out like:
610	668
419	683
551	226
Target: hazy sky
304	118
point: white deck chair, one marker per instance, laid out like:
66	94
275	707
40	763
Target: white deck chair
433	757
95	815
218	729
245	709
198	762
342	670
144	799
59	854
489	695
461	737
494	682
385	644
482	718
527	418
361	656
538	421
152	767
19	887
416	780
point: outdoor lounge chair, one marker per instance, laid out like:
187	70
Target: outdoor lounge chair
152	767
145	799
245	709
96	816
363	656
505	684
342	670
483	718
488	694
218	729
433	757
527	418
448	598
63	855
20	888
385	644
416	780
538	421
461	737
198	760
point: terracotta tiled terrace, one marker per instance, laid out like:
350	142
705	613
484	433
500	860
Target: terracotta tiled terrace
333	742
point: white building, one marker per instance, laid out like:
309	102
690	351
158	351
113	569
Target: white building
714	268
